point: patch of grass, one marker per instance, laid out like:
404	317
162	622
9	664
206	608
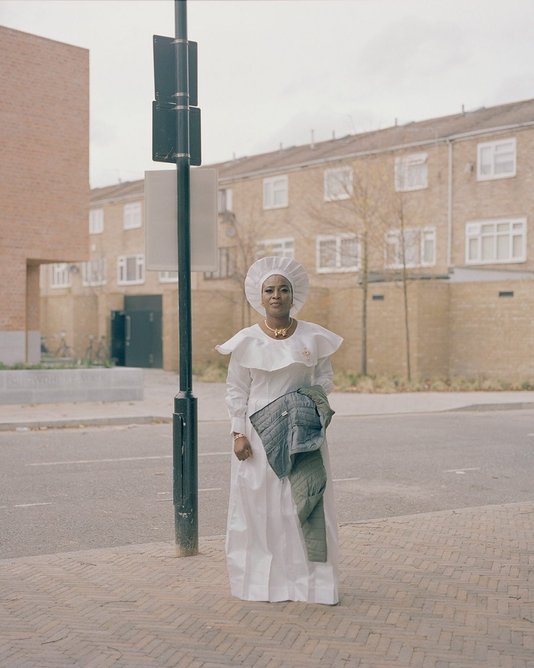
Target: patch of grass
57	364
20	366
346	381
211	372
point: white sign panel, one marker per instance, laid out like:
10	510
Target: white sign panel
161	235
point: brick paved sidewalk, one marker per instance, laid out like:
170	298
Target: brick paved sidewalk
439	590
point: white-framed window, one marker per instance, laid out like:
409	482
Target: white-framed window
496	159
495	241
168	277
339	252
96	221
131	269
225	200
131	215
94	272
418	249
276	247
338	183
226	266
411	172
60	275
275	192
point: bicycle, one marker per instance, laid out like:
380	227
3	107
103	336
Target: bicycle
63	350
96	355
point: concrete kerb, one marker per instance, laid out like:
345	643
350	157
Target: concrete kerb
80	423
160	388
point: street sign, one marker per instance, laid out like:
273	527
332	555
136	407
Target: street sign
167	107
164	134
165	70
161	245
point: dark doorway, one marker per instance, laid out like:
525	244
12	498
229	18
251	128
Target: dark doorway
118	332
137	332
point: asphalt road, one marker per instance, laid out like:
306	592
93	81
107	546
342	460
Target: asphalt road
73	489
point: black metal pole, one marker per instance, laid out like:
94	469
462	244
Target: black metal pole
185	469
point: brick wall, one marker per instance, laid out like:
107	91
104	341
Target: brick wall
492	336
44	177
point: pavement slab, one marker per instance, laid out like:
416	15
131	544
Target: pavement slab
450	589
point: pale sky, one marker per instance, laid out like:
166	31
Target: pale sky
272	71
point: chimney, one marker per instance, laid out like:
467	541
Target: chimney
312	139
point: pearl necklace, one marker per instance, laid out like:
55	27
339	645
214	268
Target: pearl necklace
281	332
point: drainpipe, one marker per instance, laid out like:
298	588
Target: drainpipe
449	205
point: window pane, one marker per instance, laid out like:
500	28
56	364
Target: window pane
338	184
279	198
393	250
517	247
349	252
96	221
132	215
417	175
275	192
266	193
327	253
131	265
411	247
428	248
504	158
472	249
279	248
497	159
411	172
487	248
168	276
485	160
503	247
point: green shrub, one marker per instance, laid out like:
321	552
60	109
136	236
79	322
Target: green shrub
348	381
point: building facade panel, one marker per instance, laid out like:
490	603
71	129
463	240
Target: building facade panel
44	176
411	212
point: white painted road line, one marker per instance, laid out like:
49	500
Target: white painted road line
32	505
205	489
99	461
120	459
345	479
461	471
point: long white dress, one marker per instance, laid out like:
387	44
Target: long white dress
265	551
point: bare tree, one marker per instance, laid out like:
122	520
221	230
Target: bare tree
243	234
408	257
404	273
357	205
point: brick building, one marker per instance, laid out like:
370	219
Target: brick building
44	177
422	231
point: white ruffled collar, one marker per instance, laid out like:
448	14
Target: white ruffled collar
254	349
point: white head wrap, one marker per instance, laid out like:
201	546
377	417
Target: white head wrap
260	271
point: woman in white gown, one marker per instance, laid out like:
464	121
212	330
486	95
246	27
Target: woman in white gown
265	550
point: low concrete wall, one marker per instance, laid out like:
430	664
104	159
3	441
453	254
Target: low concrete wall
51	386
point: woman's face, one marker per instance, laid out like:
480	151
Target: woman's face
277	296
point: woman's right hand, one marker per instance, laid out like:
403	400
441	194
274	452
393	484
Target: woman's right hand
242	448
